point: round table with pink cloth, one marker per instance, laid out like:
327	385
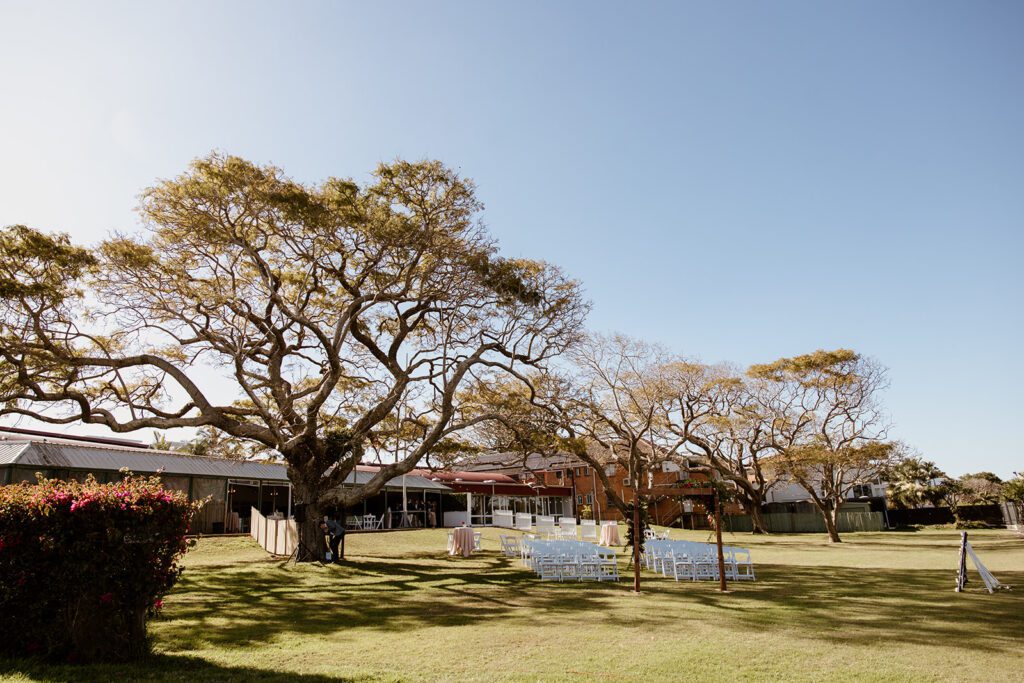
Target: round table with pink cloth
610	534
462	541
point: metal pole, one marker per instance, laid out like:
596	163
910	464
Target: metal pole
405	512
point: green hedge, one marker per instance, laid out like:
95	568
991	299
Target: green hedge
83	565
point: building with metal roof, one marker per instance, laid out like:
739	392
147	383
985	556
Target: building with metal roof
231	487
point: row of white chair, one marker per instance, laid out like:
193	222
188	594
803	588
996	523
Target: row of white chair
562	560
697	561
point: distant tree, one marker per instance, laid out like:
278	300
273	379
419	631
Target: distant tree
913	482
214	443
826	424
982	488
955	495
161	442
325	307
1013	489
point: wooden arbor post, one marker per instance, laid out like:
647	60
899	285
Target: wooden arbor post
718	541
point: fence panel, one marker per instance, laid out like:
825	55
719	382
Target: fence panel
276	536
503	518
808	522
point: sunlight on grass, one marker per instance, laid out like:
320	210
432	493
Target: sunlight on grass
878	607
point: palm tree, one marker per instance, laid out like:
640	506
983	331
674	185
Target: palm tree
914	482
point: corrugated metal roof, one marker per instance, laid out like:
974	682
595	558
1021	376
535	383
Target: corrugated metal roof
112	458
412	481
145	461
9	451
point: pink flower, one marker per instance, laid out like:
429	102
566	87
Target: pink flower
107	598
159	604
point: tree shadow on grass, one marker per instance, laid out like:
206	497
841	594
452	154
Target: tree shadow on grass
865	606
252	603
374	594
157	667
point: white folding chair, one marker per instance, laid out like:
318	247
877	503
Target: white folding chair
509	545
477	535
743	567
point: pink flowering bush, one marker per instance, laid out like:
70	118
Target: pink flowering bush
82	565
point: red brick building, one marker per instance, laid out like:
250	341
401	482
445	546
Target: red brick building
588	496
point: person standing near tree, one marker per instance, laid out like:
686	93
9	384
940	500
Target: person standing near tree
336	536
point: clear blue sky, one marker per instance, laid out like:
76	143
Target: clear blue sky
739	181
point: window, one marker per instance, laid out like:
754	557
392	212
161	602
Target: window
558	474
609	470
586	471
579	500
590	498
861	491
626	483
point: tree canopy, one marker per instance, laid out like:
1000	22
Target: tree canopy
325	307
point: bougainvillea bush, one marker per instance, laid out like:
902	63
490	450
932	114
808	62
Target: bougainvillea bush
83	565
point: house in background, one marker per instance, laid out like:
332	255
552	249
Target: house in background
587	491
867	495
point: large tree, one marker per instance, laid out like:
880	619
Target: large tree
613	408
827	425
321	308
606	409
712	410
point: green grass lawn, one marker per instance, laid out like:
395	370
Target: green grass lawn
879	607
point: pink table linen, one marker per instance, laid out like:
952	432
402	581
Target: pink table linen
610	534
462	541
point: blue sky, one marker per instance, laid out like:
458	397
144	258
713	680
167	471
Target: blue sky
738	181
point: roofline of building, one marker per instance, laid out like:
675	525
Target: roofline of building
104	440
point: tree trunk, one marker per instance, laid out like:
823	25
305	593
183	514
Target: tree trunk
312	545
751	503
832	524
757	521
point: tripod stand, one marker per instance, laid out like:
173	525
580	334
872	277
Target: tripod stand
301	549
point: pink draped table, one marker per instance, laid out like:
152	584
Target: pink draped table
462	541
610	534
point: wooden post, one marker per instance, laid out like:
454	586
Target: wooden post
961	572
637	536
718	540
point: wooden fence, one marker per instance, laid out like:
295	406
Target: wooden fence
277	536
809	522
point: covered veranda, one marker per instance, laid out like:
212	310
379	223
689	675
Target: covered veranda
405	502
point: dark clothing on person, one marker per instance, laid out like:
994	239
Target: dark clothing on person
336	536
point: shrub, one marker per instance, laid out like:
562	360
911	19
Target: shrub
82	565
